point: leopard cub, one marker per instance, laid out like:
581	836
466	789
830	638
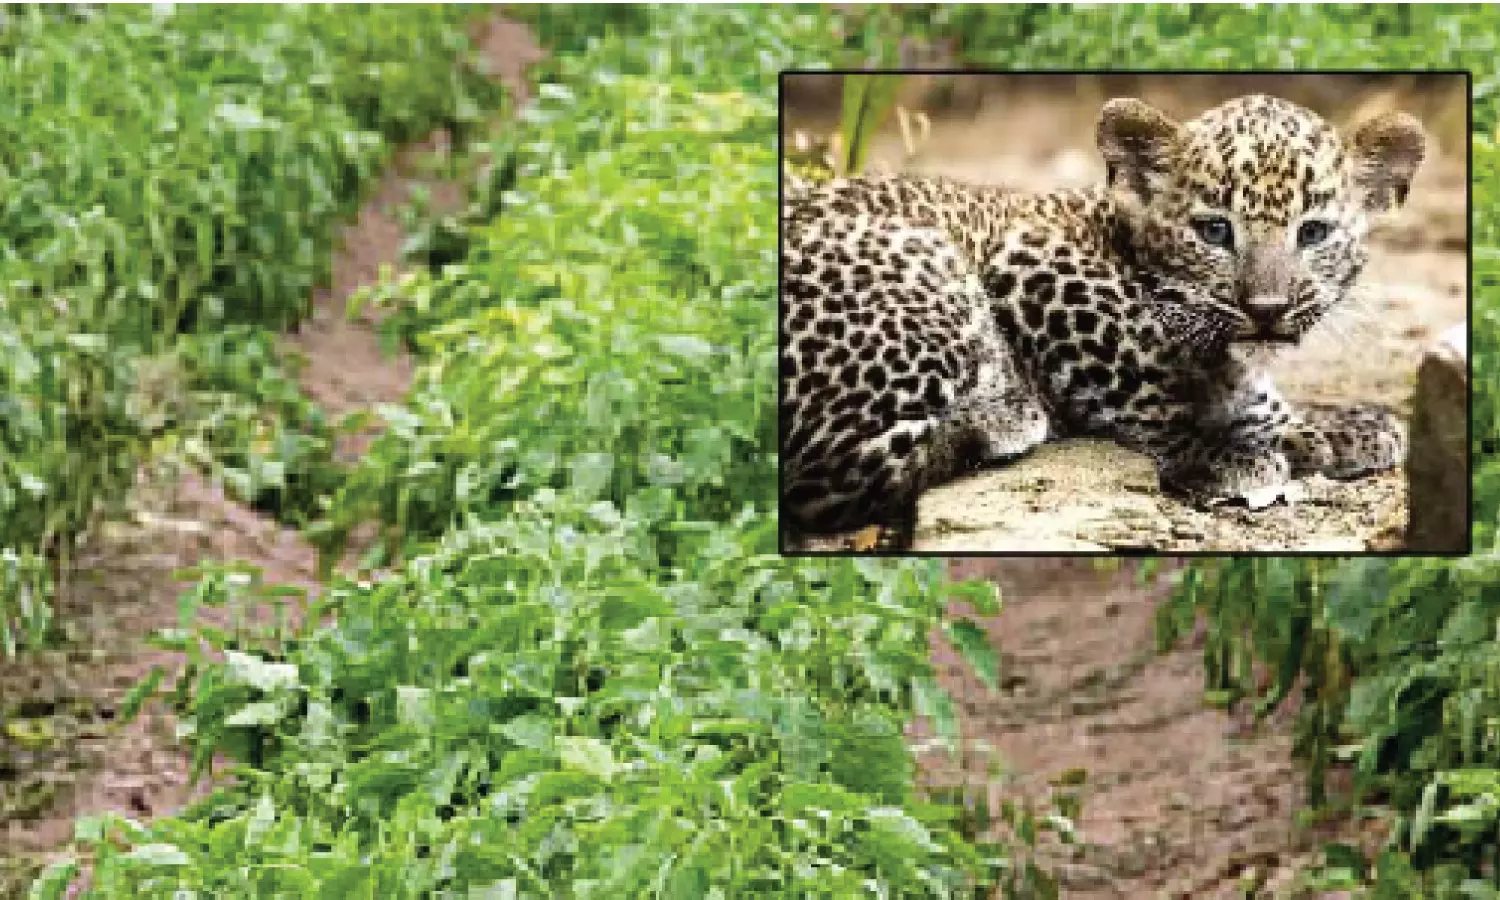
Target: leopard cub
929	326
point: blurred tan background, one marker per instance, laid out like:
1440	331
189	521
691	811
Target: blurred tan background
1064	106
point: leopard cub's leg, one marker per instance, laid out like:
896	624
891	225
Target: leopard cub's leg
916	456
997	418
1346	441
1230	445
895	377
1228	467
1250	443
1000	416
1319	438
1306	447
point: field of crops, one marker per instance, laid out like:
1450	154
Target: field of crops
584	670
168	171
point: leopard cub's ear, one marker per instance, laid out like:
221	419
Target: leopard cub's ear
1385	153
1137	141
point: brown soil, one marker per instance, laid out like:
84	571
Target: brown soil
62	755
1180	800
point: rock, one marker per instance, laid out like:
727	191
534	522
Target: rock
1437	465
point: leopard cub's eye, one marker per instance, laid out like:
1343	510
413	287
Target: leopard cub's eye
1312	232
1215	230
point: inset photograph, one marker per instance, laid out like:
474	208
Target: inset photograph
1125	313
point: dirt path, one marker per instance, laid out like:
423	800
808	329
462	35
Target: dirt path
61	755
1180	800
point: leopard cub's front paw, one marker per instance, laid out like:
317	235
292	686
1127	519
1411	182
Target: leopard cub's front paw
1359	440
1307	450
1255	478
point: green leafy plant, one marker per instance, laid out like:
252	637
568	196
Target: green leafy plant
539	704
170	170
587	671
242	415
868	101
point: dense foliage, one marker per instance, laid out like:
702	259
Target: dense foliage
168	169
589	673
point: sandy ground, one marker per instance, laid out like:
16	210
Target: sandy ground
65	755
1093	496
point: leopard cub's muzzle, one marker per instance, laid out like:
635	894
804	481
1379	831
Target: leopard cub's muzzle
1266	295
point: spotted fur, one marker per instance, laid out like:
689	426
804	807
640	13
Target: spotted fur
929	327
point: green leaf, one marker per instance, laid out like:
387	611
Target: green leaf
414	706
254	715
532	732
899	835
936	705
159	855
973	645
505	889
588	755
54	881
139	693
799	798
687	346
983	596
867	103
242	668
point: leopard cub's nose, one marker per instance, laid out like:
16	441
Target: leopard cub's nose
1265	309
